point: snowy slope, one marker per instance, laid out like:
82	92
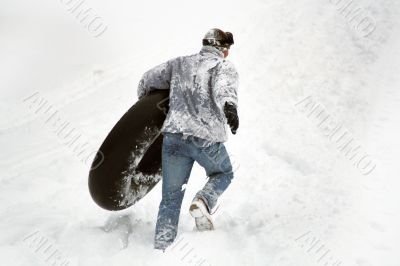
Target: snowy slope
296	198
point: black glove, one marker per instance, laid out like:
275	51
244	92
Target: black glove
232	116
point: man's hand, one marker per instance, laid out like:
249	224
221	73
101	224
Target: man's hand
232	116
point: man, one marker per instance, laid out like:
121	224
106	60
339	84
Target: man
203	99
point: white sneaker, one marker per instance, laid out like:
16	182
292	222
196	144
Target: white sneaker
202	217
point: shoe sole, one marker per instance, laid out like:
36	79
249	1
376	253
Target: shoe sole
202	218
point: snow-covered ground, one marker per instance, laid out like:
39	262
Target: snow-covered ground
297	199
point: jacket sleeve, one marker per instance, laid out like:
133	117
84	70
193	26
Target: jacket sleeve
158	77
226	84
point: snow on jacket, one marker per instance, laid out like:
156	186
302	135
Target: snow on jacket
199	84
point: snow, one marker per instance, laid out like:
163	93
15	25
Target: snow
295	195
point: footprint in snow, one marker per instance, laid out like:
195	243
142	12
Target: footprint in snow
122	225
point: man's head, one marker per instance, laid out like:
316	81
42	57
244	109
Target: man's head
219	39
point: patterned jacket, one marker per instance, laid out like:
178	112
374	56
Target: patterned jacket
199	84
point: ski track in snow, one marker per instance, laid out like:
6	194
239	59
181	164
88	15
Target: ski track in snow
290	183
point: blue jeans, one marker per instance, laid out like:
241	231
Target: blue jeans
178	155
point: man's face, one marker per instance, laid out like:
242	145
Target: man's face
226	52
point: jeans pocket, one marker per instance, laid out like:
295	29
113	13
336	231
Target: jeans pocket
212	152
172	144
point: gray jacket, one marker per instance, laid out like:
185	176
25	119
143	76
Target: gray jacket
199	84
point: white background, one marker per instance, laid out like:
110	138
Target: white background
291	180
